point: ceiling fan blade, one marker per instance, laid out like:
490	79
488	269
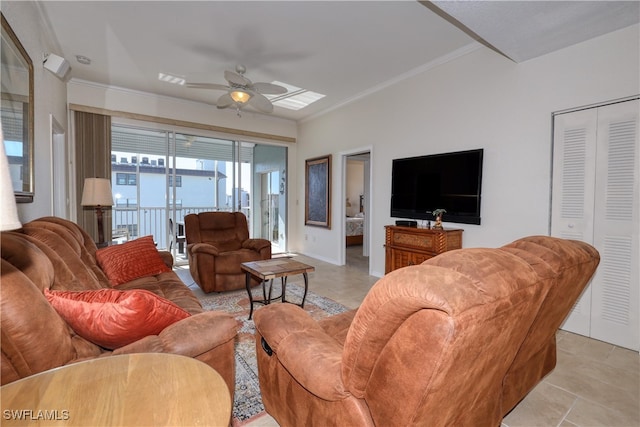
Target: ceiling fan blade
236	79
269	88
260	102
224	101
214	86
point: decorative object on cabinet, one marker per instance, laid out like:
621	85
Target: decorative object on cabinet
437	213
317	206
17	112
413	245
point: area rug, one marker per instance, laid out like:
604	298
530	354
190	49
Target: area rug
247	404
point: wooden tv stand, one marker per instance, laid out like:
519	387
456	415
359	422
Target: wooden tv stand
412	245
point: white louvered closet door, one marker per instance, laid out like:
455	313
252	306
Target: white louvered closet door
595	199
574	176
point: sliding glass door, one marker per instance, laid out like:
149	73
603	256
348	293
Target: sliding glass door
159	177
270	187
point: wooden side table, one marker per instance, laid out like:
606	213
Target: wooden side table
267	270
150	389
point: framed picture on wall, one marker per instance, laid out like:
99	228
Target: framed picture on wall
317	209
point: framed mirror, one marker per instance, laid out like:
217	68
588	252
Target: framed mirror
16	112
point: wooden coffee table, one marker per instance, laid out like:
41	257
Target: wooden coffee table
152	389
270	269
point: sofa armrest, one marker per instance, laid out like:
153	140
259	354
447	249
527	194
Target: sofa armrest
204	248
191	337
311	356
167	258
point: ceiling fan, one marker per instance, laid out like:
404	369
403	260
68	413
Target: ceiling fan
241	91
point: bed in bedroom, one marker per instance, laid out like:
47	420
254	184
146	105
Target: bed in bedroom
354	227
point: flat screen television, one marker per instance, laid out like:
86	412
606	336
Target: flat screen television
450	181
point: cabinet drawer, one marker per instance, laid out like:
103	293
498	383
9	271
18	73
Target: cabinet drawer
404	258
428	242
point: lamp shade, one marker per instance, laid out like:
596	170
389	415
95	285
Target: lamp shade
8	209
97	192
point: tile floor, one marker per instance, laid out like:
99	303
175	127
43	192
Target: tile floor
593	384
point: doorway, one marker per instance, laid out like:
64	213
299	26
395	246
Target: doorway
356	207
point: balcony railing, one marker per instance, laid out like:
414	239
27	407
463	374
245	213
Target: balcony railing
145	221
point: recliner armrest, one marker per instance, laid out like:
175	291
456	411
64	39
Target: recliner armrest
310	355
204	248
256	244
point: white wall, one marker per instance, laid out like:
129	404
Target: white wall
480	100
50	98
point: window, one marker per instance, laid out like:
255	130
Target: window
126	179
178	181
126	203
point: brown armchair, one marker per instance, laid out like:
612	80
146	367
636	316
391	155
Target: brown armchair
217	243
431	344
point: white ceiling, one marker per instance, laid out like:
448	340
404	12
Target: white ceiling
523	30
338	48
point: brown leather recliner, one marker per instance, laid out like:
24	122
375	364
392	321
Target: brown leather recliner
537	355
431	344
217	243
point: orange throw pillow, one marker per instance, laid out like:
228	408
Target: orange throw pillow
131	260
112	318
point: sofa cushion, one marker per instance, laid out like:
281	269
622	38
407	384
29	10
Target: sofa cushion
131	260
113	318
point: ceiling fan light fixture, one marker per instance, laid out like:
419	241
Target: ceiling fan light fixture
239	96
241	92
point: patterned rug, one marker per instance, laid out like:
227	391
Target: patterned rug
247	403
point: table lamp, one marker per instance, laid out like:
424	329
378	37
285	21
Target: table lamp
8	210
97	192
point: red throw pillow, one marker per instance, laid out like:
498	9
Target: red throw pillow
112	318
131	260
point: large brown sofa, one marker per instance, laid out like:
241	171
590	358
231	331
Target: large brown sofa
458	340
53	255
217	243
